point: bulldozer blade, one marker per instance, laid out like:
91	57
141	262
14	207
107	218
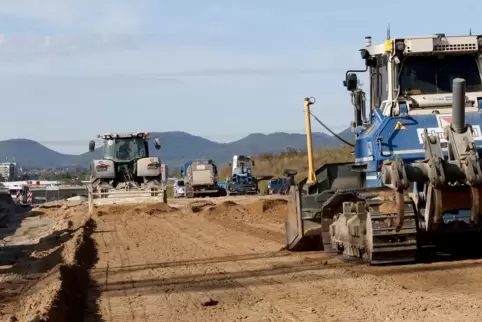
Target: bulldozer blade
126	197
301	234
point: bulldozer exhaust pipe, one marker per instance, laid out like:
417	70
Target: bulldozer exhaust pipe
458	105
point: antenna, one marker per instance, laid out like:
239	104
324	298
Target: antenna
388	31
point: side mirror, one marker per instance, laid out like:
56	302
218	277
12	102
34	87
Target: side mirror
253	163
91	146
364	54
351	82
230	164
157	144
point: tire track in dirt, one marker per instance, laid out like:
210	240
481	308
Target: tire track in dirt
115	308
122	241
229	267
94	288
404	299
239	287
168	274
158	309
176	261
277	291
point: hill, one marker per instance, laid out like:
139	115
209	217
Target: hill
30	153
177	147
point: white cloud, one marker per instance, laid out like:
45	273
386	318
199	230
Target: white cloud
100	55
106	16
100	65
56	12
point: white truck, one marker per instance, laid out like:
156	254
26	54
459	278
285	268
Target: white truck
201	179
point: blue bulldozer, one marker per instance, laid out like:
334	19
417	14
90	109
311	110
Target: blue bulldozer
414	188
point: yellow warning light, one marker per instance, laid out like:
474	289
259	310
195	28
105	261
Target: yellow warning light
388	46
399	126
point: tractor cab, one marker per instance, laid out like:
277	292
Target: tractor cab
125	147
127	166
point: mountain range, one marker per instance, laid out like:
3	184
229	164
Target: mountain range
177	147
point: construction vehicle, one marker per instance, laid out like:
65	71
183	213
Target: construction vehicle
201	179
277	185
222	185
127	170
242	181
414	187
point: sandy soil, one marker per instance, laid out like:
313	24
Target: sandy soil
223	260
39	254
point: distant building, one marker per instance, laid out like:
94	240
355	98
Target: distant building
9	171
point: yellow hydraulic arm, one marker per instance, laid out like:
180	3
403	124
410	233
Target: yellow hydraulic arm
309	145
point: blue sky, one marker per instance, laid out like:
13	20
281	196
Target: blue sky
72	69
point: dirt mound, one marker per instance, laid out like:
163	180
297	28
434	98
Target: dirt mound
59	211
228	203
32	249
274	209
224	208
268	206
62	295
263	218
150	209
154	209
198	206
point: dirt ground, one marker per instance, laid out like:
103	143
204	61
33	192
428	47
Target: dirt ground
209	260
39	254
